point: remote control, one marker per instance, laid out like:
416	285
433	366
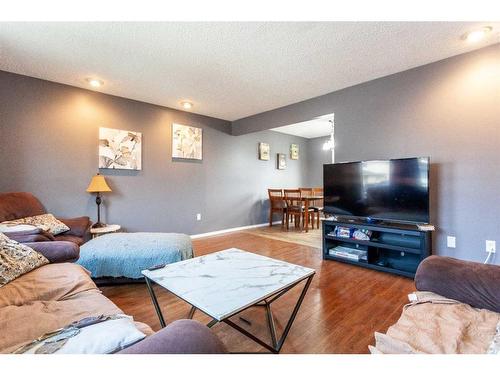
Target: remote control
157	267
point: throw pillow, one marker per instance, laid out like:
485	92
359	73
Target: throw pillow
47	222
494	347
17	259
9	228
115	333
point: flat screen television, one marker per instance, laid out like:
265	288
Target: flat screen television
387	190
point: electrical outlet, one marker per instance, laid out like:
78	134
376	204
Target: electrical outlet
198	217
491	246
451	241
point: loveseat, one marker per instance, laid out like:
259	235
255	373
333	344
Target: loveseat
57	248
57	294
455	310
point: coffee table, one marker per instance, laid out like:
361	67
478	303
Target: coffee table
227	282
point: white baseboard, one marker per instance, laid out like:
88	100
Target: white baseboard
229	230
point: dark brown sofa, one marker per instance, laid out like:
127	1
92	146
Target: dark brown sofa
60	248
183	336
475	284
455	310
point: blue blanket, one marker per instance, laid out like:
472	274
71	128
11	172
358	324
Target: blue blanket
127	254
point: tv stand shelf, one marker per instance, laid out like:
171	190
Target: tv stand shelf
394	248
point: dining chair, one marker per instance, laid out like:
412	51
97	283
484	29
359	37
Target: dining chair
305	191
276	204
313	205
318	204
295	208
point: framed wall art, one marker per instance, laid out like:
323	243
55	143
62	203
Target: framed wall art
120	149
281	161
187	142
264	151
294	151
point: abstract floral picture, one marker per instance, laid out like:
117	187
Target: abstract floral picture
187	142
120	149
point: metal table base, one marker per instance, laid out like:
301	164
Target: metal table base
276	343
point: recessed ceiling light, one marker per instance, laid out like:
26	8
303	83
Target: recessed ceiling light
186	104
476	35
94	82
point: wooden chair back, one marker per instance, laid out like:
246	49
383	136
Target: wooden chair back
275	198
306	192
290	194
318	191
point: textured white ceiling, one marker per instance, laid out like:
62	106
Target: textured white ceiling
228	70
308	129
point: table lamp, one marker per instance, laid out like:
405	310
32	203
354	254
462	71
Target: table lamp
98	185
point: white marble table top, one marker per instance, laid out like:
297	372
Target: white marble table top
226	282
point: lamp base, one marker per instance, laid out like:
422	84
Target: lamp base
98	225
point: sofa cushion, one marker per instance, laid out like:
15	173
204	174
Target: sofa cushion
17	259
181	336
48	298
69	238
473	283
23	323
18	205
51	282
57	251
434	324
78	226
35	235
46	222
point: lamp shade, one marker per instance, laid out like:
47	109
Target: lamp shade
98	185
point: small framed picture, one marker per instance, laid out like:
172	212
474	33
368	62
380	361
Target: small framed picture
187	142
294	151
264	151
281	158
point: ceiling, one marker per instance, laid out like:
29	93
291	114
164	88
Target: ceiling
320	127
229	70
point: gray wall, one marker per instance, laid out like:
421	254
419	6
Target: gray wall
49	140
448	110
316	157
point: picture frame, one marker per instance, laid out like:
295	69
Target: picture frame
120	149
294	151
264	151
187	142
281	161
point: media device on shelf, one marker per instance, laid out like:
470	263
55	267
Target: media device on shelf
395	190
397	248
380	214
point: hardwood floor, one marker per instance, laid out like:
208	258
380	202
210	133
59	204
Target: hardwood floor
313	238
344	306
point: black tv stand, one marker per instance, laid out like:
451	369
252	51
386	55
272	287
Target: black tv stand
393	247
